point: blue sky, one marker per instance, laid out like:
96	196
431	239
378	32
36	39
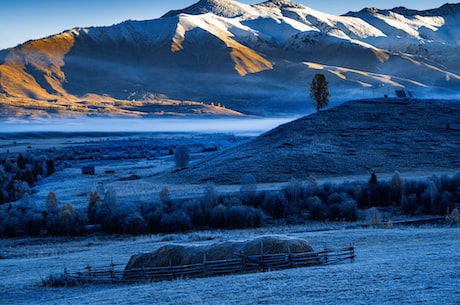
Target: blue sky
21	20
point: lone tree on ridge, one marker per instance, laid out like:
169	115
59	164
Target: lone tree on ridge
319	91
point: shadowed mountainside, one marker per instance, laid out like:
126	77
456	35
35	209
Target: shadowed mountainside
355	138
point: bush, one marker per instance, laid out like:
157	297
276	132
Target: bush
219	216
454	217
374	217
316	208
446	204
94	200
181	156
134	224
396	188
152	212
240	217
409	205
274	204
248	188
177	221
349	210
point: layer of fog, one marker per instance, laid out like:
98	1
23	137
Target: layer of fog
237	126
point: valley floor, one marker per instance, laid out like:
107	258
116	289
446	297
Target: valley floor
399	265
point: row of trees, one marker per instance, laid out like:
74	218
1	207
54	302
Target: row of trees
297	202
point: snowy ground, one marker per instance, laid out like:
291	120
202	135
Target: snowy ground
400	265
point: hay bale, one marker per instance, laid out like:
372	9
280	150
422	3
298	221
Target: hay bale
176	255
275	245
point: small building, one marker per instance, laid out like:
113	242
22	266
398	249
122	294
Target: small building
405	95
87	170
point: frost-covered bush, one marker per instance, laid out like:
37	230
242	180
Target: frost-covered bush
152	212
410	204
177	221
454	217
248	190
51	203
274	204
181	156
396	187
33	223
337	198
374	217
69	220
248	184
210	198
349	210
446	204
316	208
239	217
198	212
134	224
94	200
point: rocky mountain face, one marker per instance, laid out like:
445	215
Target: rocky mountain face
255	59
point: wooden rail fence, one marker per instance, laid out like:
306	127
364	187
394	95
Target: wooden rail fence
241	264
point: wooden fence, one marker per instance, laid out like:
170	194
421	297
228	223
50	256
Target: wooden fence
241	264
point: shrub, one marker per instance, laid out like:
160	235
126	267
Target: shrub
94	200
177	221
34	223
68	219
349	210
240	217
337	198
198	212
396	187
409	204
210	198
446	204
248	185
51	203
274	204
374	217
134	224
181	156
429	198
316	208
219	217
454	217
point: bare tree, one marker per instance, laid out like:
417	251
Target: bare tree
319	91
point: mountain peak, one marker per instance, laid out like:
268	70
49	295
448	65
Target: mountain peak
224	8
444	10
282	4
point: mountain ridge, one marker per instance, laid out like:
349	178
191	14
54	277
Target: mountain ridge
255	59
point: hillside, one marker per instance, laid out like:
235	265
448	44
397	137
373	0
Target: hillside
254	59
354	138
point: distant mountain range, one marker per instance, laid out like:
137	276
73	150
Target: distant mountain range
253	59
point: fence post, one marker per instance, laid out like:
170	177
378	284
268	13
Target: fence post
171	270
261	258
112	265
204	264
243	262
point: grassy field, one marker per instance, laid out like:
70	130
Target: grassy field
405	265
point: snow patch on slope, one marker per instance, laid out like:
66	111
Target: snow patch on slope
223	8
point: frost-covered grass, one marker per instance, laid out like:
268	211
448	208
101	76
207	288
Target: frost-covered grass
401	265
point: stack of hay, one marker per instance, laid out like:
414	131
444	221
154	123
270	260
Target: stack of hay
177	255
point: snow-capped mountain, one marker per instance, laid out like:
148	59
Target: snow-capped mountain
253	58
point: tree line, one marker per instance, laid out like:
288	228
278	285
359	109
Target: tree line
297	202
